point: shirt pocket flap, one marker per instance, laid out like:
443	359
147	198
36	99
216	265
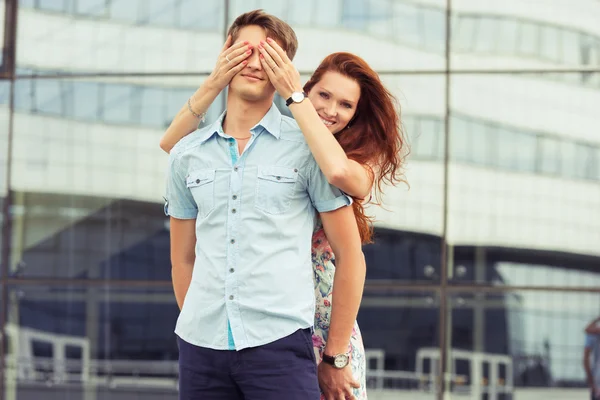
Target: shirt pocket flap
278	174
200	177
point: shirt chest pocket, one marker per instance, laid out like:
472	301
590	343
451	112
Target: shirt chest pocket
275	188
202	185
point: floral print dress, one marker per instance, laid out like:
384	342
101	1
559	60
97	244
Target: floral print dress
324	270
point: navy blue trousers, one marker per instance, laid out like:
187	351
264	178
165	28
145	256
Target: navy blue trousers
284	369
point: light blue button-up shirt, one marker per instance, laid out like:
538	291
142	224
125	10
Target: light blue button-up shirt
254	221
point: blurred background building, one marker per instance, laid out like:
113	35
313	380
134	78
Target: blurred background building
487	268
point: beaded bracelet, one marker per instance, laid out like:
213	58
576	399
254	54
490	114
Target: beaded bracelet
201	117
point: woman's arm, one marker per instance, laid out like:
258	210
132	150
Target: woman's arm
185	122
592	328
231	61
348	175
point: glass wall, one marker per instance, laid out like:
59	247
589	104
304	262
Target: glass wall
485	268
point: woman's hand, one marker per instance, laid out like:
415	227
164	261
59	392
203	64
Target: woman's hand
280	70
231	61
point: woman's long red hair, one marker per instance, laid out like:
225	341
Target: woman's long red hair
374	137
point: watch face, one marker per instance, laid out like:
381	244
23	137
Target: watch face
341	361
297	97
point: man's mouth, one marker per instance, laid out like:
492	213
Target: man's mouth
253	78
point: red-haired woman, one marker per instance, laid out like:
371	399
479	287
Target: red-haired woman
352	126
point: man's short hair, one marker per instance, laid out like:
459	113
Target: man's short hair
274	27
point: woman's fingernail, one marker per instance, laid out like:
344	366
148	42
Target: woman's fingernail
269	40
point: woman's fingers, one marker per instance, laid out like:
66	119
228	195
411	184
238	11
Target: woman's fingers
274	55
236	56
227	44
233	71
267	68
279	50
235	50
268	59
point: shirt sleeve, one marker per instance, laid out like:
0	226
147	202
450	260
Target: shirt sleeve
179	202
324	196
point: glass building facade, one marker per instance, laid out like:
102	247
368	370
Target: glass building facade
485	271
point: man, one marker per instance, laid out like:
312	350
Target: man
242	195
591	357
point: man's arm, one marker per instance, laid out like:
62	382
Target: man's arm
588	370
183	255
183	211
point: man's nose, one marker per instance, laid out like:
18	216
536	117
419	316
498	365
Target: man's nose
254	60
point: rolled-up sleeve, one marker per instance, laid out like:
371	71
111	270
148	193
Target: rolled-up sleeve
324	196
179	202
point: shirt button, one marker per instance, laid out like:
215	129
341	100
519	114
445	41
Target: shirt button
231	270
234	197
295	169
197	180
234	211
232	241
235	168
230	144
278	178
231	297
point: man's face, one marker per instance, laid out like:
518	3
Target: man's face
252	82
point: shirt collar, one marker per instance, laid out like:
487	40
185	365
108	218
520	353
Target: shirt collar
271	123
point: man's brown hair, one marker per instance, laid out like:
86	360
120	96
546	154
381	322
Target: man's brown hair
274	27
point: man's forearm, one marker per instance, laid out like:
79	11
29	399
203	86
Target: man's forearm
348	285
181	275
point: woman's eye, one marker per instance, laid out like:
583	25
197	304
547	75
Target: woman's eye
324	95
347	105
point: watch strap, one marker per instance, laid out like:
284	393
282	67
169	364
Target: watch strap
329	359
290	100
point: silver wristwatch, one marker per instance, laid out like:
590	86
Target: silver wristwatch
339	361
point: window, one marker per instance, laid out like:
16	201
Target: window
52	5
49	98
529	39
96	8
583	166
116	103
524	151
125	10
193	17
23	95
429	142
160	12
549	156
507	36
486	38
481	139
152	111
460	133
406	24
85	100
570	47
549	39
434	32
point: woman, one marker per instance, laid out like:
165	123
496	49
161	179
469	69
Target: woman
352	127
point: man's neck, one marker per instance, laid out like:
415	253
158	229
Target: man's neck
243	115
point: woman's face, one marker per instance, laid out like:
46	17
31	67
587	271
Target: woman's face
335	98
